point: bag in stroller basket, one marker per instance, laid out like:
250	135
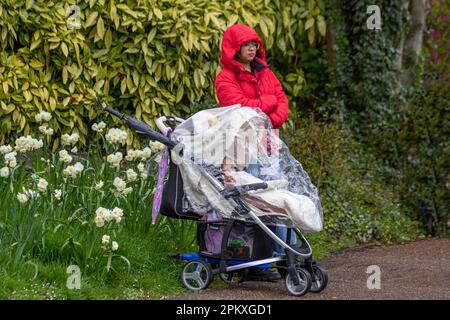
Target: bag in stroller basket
245	241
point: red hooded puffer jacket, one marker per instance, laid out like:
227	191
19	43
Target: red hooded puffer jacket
236	85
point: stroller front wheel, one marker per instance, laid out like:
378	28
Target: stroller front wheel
196	275
320	279
304	283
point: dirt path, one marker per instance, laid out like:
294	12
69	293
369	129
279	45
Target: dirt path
416	270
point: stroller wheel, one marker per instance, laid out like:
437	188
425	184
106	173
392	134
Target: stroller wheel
304	283
320	279
196	275
233	277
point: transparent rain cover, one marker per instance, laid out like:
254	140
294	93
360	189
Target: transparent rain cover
233	146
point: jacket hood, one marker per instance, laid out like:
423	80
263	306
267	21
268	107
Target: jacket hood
233	38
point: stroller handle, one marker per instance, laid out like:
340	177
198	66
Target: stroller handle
141	128
160	122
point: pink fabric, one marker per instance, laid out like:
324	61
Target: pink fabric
163	167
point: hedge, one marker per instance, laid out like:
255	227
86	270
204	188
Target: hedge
150	58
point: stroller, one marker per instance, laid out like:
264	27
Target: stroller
229	172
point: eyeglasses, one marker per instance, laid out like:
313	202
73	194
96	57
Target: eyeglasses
247	45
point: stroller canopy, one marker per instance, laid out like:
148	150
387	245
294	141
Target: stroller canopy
233	146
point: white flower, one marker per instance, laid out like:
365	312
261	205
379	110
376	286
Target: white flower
78	166
127	191
5	149
12	163
117	214
42	185
99	185
10	159
146	153
131	175
58	194
10	156
114	246
156	146
99	222
131	155
141	167
119	184
70	139
115	135
98	127
105	239
142	154
74	150
64	156
101	215
115	159
144	175
43	116
45	130
26	195
4	172
24	144
22	197
73	171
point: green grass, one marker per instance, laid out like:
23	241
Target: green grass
153	275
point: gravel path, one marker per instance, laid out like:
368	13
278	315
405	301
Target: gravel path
416	270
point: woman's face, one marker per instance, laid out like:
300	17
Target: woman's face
248	51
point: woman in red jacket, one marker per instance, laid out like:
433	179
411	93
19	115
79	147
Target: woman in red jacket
247	80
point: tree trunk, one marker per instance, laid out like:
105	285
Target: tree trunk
414	39
399	59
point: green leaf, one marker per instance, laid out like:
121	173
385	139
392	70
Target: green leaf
321	25
64	75
151	35
311	35
160	101
35	44
100	28
263	27
309	23
64	49
108	38
5	87
286	19
157	13
36	64
52	103
180	93
91	19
